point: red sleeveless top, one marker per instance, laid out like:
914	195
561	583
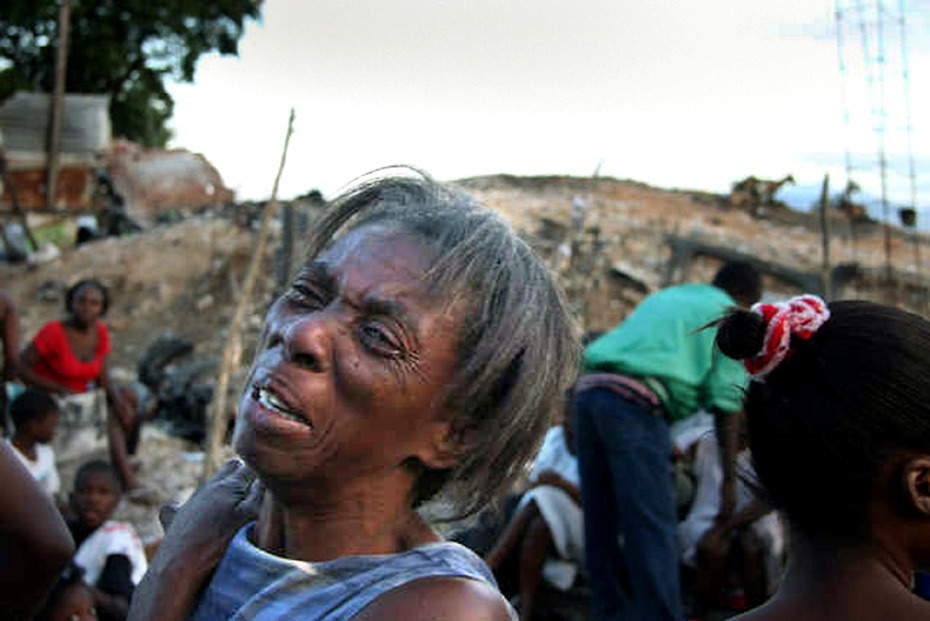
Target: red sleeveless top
58	362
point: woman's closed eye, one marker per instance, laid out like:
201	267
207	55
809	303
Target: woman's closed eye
378	339
306	296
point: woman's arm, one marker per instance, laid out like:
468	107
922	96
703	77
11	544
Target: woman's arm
35	544
196	540
117	403
27	360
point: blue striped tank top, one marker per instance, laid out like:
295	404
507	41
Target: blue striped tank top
252	585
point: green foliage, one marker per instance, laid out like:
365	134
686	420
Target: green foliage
124	48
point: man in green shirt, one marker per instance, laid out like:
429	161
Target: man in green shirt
657	367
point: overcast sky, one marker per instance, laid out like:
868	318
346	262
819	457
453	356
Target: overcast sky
674	93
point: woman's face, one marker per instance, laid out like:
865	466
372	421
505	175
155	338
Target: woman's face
348	382
87	305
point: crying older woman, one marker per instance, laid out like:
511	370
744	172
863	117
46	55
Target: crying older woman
420	351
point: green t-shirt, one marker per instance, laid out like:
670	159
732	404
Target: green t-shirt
662	343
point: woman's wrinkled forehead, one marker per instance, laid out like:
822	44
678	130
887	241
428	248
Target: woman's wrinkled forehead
377	242
377	232
390	238
400	261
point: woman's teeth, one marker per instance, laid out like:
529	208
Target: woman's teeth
272	402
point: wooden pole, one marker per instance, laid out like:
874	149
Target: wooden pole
219	416
55	106
916	250
825	231
14	198
287	243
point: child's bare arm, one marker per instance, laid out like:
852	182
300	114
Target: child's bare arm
9	321
553	478
34	542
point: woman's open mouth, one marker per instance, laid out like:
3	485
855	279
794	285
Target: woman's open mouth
273	402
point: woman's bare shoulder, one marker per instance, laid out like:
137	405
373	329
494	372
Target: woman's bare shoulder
439	599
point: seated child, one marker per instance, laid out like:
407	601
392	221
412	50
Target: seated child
548	519
35	416
751	541
70	599
109	552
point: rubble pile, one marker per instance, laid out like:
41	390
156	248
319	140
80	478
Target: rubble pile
154	180
621	251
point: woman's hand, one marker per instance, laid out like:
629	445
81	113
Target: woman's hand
197	535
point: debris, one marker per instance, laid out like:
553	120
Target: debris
633	277
46	254
153	181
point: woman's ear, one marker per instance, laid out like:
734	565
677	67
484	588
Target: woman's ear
442	451
916	479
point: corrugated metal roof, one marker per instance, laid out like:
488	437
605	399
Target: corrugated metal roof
85	126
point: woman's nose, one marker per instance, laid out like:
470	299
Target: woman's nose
308	341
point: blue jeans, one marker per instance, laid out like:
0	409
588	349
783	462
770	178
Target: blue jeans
624	453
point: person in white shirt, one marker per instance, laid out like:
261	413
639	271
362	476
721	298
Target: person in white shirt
109	552
548	525
752	539
35	417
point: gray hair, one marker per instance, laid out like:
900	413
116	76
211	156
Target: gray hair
517	349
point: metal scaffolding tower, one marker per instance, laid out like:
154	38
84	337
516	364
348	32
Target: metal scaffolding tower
871	21
912	170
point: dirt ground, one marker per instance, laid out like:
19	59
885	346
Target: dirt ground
184	277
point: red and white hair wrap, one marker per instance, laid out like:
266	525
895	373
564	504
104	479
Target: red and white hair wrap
799	317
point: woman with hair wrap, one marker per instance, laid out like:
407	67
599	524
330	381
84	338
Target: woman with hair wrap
838	414
71	357
422	349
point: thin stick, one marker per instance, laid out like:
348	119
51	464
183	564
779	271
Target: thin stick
825	238
7	178
218	416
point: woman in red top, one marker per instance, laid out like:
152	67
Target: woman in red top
70	357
